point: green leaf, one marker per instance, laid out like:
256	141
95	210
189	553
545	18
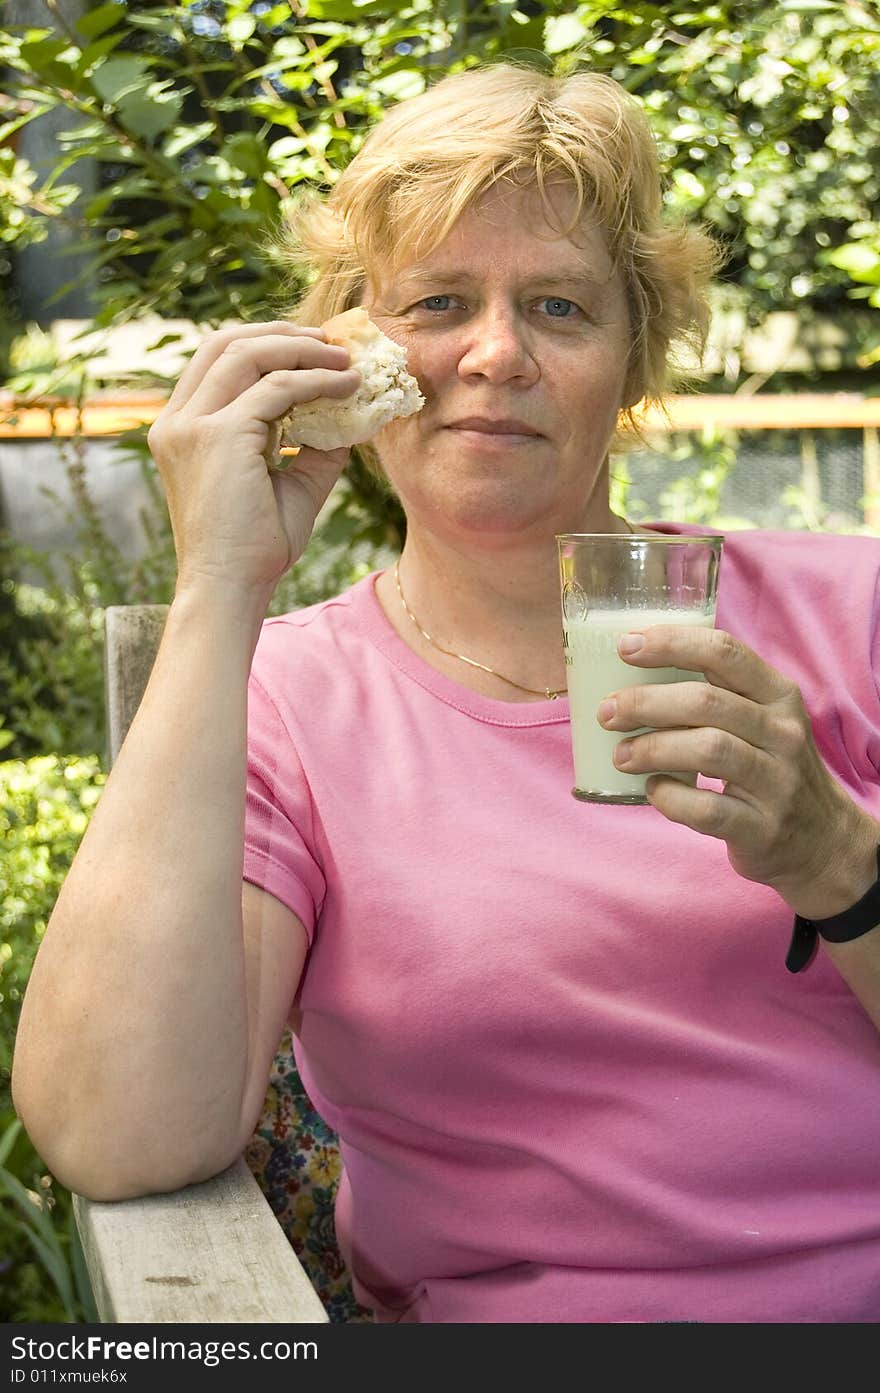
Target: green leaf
562	32
10	127
38	52
246	153
43	55
98	21
287	146
295	76
294	80
13	1131
354	9
400	85
273	18
114	80
288	47
860	260
185	137
149	112
240	29
35	1216
165	22
134	186
81	1280
97	52
54	1263
688	184
230	211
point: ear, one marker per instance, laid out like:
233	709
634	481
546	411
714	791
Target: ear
633	389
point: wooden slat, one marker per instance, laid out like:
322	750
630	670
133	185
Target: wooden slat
212	1252
132	634
766	411
739	411
110	416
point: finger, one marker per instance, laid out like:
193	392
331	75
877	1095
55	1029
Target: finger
272	396
714	753
665	704
725	661
714	814
215	344
242	364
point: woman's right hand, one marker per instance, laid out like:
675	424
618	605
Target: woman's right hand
233	521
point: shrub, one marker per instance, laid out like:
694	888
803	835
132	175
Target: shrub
45	804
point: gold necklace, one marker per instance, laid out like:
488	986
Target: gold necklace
547	693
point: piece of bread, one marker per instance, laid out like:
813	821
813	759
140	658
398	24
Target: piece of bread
387	390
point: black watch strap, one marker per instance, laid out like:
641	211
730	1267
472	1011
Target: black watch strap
839	928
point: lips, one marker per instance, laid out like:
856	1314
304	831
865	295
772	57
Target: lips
488	425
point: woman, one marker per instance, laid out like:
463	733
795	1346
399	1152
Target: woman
571	1076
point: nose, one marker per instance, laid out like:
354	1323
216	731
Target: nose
498	347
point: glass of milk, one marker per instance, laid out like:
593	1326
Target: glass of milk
612	583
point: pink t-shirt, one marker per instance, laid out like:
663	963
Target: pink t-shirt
572	1078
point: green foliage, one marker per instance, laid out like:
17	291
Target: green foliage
860	258
51	654
209	117
51	670
43	1276
51	634
45	805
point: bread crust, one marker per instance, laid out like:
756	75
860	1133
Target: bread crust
386	392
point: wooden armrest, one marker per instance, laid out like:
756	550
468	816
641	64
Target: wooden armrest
132	637
212	1252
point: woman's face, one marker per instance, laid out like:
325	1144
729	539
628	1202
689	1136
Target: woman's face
519	340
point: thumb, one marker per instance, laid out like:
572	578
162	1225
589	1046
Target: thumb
302	489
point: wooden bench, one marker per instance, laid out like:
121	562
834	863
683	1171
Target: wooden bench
212	1252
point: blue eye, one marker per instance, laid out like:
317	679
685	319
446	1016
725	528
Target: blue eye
555	303
429	305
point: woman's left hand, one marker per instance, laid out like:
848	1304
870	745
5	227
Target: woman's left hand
787	823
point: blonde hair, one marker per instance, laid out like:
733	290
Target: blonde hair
433	155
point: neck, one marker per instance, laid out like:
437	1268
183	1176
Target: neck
550	693
500	610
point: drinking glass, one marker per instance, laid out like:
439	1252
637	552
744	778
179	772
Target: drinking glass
612	583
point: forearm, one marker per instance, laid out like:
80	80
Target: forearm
850	872
858	963
132	1046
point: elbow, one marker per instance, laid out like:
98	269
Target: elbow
99	1180
115	1155
107	1168
108	1185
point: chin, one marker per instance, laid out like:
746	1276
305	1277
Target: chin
483	512
475	492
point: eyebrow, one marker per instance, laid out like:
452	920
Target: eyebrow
554	280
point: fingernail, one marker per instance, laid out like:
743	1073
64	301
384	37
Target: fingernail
630	643
606	710
623	751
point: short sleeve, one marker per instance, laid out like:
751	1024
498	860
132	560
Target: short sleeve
278	841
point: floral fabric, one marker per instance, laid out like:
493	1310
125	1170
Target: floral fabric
294	1157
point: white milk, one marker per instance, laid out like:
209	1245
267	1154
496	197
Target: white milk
595	670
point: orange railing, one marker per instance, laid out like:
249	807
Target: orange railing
110	415
113	414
